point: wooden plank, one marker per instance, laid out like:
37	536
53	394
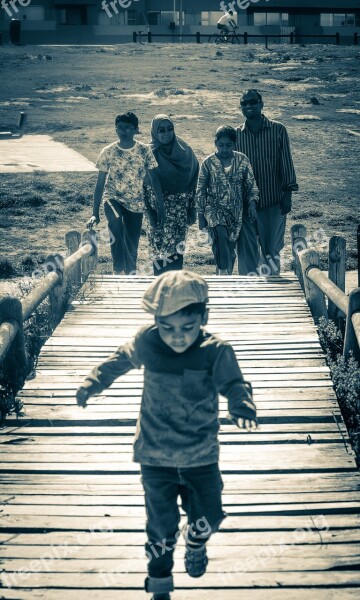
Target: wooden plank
100	540
182	594
136	523
128	498
137	564
220	581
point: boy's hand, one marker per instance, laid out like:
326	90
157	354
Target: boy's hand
95	219
82	396
247	424
202	221
252	212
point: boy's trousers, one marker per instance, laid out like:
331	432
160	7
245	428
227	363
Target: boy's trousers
125	227
200	491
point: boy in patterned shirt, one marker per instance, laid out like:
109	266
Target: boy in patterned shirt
122	168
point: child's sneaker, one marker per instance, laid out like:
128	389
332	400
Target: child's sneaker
196	560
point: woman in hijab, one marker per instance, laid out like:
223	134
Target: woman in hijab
177	170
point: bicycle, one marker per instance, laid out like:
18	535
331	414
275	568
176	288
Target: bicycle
225	37
140	33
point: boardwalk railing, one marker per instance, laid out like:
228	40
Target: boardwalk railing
291	37
317	285
57	273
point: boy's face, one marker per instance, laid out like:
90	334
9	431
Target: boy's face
225	147
126	131
179	331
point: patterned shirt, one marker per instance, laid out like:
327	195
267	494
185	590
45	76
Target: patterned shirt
126	170
178	422
270	157
221	194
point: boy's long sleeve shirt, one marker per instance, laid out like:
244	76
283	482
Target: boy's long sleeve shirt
178	422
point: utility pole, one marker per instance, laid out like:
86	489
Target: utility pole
180	20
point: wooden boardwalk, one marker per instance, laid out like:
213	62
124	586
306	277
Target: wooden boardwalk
72	514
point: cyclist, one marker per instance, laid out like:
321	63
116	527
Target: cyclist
227	23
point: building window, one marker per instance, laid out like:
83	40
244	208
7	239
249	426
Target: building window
271	18
192	18
115	19
154	18
337	19
73	15
27	13
211	17
131	17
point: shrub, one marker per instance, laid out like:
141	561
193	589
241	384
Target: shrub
346	379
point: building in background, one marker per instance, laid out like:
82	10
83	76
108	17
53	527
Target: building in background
114	21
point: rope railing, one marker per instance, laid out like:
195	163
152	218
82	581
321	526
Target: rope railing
318	286
57	274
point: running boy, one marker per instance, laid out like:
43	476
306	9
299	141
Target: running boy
122	168
176	441
226	186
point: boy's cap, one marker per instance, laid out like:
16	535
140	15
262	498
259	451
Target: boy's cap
128	117
172	291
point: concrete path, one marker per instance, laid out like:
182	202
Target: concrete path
40	152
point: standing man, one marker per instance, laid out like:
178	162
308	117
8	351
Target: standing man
266	144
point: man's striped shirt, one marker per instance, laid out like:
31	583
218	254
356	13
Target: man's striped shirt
270	156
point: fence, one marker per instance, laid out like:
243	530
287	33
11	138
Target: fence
292	36
58	273
317	285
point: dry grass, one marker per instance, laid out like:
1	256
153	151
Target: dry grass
75	96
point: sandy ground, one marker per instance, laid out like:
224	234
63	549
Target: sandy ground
74	93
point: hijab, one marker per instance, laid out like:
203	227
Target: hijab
177	164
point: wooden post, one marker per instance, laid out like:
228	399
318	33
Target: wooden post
291	37
89	262
245	37
14	366
149	37
337	264
314	296
356	37
57	296
358	252
337	38
72	241
298	242
134	37
351	342
198	37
